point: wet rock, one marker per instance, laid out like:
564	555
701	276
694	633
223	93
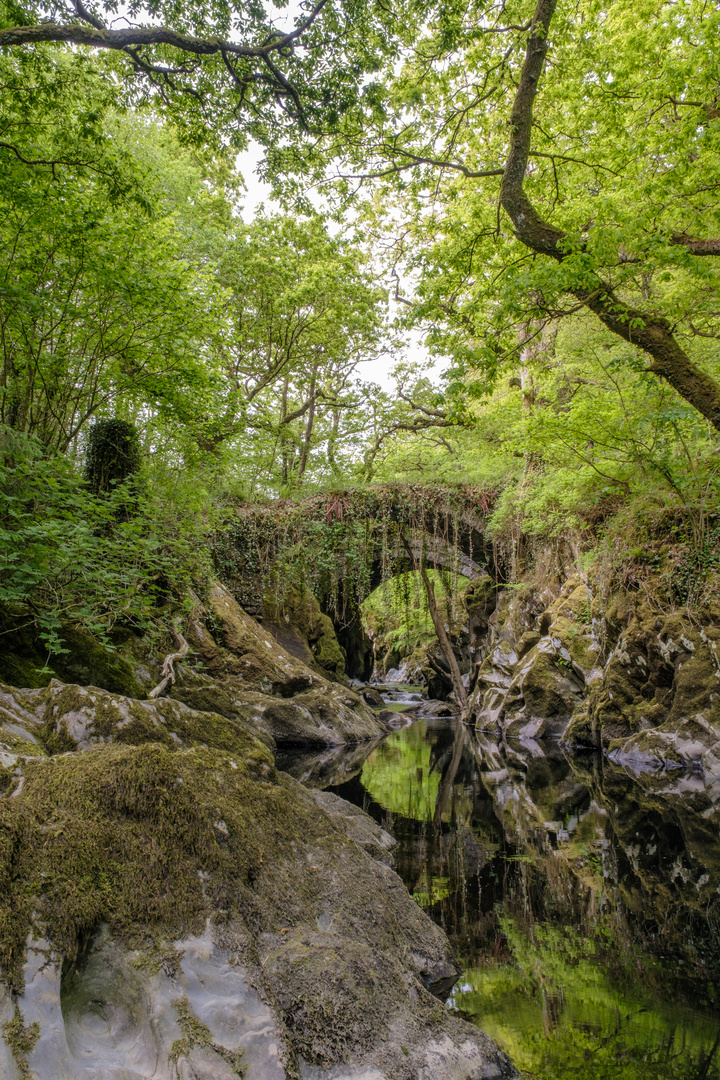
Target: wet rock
372	698
186	911
392	719
432	709
326	767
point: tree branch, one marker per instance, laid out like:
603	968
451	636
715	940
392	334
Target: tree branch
93	33
651	333
695	245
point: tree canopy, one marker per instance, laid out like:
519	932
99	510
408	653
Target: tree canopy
550	158
532	186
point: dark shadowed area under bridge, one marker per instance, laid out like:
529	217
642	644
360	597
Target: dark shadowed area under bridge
342	545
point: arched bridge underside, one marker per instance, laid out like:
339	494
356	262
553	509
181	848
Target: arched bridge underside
343	545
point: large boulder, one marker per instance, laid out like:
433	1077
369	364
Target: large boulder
248	675
179	909
662	676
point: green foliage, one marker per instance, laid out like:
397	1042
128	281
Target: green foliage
67	556
276	91
397	617
624	159
301	312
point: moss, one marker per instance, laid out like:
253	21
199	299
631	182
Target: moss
85	661
21	1040
195	1033
122	835
6	779
158	954
57	739
298	609
90	663
24	671
131	722
327	649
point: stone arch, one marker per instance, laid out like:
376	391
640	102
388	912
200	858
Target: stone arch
324	539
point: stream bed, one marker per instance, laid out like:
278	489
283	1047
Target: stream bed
582	901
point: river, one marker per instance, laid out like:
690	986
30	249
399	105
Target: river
582	901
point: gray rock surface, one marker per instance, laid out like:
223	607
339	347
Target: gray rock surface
175	909
248	676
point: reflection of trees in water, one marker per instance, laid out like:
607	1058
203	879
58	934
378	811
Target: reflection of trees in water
582	903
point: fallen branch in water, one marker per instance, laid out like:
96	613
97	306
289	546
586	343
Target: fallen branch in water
168	668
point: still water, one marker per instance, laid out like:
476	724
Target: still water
582	902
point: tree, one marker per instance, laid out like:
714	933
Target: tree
222	69
302	311
99	302
112	455
550	158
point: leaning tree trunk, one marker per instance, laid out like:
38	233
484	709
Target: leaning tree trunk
439	626
444	639
649	332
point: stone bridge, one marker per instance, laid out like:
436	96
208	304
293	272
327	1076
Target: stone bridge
343	545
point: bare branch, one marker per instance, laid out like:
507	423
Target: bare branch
168	668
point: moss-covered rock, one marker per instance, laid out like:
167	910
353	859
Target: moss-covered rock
304	630
172	911
83	660
254	671
77	717
89	662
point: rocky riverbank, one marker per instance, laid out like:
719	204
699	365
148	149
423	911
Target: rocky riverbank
178	908
611	673
173	907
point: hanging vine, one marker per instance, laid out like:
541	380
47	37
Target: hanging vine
343	545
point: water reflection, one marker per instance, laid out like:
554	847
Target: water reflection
583	901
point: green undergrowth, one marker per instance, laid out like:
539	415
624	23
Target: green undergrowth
139	837
73	558
672	554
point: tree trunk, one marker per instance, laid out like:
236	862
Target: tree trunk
649	332
308	432
443	638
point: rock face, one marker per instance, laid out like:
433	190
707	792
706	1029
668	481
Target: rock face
177	908
298	624
535	663
658	702
644	687
235	668
248	676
